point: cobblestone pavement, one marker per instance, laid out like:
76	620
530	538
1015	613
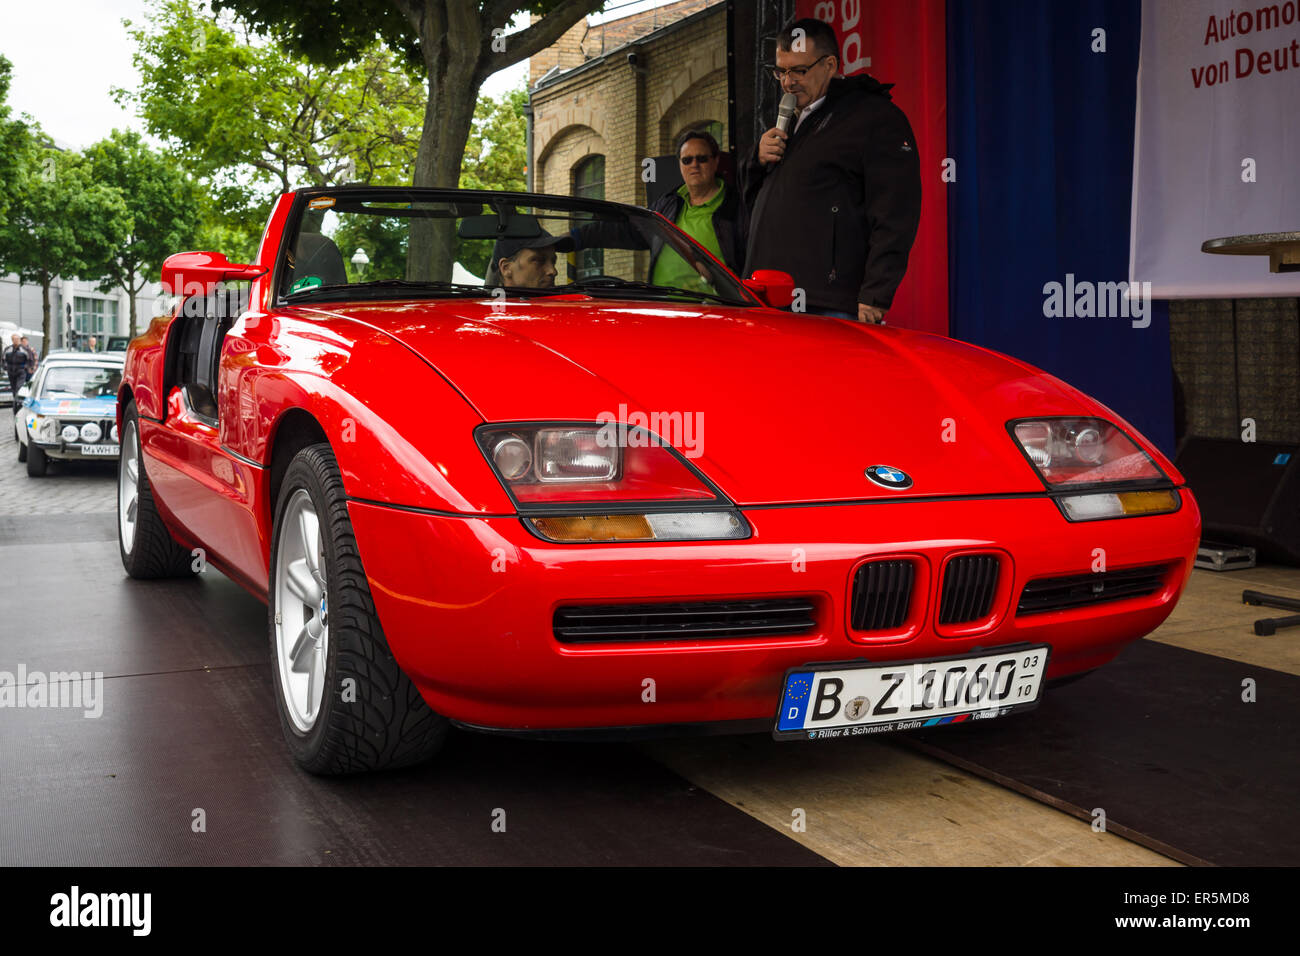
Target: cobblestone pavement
69	487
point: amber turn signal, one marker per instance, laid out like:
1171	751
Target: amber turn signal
1148	502
595	528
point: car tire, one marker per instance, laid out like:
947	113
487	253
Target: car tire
22	450
37	461
345	705
147	548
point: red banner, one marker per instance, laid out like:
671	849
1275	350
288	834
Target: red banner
903	42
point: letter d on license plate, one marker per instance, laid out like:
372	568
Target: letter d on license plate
850	699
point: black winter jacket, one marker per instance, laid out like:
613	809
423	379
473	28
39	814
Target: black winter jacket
17	359
839	211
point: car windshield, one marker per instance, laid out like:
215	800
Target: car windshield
398	243
80	381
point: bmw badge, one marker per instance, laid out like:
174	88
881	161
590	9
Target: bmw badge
889	477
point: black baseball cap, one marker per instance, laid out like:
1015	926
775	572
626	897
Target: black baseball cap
505	248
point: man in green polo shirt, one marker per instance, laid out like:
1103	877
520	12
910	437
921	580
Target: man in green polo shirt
704	208
697	222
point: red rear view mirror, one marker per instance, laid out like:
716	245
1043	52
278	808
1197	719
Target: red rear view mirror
773	286
194	273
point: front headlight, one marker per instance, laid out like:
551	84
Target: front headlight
91	432
45	429
1082	451
1093	455
606	482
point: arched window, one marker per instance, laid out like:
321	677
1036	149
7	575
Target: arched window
589	183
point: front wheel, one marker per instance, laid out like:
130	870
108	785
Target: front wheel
345	705
37	461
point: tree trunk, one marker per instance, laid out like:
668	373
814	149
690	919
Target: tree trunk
458	57
130	295
451	63
46	279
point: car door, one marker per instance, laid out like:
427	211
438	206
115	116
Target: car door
206	487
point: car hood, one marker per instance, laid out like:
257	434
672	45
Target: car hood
104	406
773	407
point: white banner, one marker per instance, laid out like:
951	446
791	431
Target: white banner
1217	148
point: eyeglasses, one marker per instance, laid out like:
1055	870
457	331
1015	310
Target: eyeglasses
798	72
692	160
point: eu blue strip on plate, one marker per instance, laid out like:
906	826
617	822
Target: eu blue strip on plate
793	704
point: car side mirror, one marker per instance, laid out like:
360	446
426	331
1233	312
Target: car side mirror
24	391
773	286
194	273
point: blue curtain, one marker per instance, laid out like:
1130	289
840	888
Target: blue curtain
1041	128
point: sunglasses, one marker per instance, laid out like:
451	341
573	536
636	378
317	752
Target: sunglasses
692	160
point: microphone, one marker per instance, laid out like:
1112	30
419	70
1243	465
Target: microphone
785	112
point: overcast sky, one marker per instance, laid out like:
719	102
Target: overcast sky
68	54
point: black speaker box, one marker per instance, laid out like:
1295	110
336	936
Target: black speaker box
1249	493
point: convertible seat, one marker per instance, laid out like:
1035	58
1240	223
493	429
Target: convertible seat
317	255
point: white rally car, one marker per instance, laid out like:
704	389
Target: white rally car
70	409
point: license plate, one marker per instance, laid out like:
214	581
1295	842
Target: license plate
845	700
100	449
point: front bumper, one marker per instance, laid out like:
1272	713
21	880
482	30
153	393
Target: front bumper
467	603
72	451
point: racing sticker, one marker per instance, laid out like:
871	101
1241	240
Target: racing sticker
306	282
321	202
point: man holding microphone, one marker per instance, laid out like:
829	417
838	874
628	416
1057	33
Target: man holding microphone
836	194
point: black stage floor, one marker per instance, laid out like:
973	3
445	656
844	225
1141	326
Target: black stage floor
1160	740
1163	742
189	724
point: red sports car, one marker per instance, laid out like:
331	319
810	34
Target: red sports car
537	464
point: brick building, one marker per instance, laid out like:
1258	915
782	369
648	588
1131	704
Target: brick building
596	114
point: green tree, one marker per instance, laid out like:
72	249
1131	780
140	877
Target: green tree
229	222
13	144
159	199
496	153
243	111
61	222
455	44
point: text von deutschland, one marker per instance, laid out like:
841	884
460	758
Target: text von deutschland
1273	57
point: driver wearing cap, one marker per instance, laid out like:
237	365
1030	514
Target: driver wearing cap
526	263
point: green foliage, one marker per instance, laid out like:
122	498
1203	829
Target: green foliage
160	201
455	44
384	240
13	144
229	223
326	31
332	96
334	33
62	221
245	112
496	154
